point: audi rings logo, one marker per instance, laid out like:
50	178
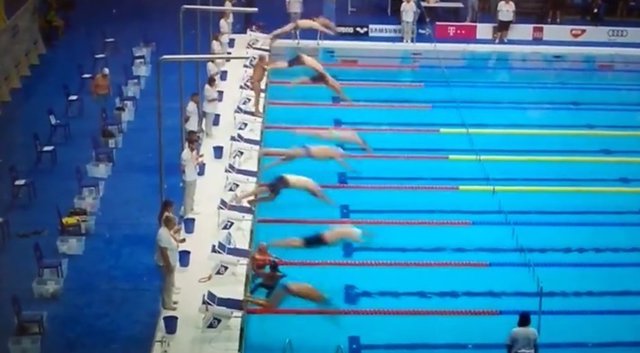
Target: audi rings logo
617	33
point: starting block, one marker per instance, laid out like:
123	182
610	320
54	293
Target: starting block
244	155
247	85
239	137
242	211
236	184
237	171
245	105
219	311
232	229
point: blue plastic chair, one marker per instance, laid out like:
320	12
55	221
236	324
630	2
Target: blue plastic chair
56	125
102	153
84	182
44	150
19	185
109	43
5	230
46	264
74	104
27	318
84	77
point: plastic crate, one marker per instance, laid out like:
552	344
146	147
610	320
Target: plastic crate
99	170
115	142
47	287
91	204
24	344
68	245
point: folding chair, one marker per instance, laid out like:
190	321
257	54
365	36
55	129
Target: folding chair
25	319
84	77
64	229
56	125
112	122
46	263
109	43
84	182
20	185
100	60
74	104
5	230
44	150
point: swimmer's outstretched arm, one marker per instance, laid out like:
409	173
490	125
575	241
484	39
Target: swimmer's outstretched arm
321	195
259	302
282	160
277	65
301	81
255	192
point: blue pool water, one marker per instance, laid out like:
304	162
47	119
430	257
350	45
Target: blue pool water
579	246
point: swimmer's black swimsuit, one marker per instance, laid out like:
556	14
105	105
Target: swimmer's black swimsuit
295	61
318	78
314	241
277	185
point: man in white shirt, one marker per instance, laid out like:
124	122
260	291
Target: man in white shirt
229	4
192	121
506	16
189	166
210	104
408	12
166	258
216	49
294	9
225	31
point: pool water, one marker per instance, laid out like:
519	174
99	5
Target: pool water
563	131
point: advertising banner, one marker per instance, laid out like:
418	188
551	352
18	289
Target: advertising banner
353	30
456	31
563	33
385	31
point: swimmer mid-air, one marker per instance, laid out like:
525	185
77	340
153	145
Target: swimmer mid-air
317	23
269	281
299	290
285	181
337	135
321	76
320	153
328	237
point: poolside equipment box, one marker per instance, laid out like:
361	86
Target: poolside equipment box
47	287
25	344
99	170
91	204
70	245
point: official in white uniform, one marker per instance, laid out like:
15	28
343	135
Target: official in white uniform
408	11
192	120
225	32
210	104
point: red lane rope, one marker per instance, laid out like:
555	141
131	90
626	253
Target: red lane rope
355	84
373	312
390	187
342	263
366	222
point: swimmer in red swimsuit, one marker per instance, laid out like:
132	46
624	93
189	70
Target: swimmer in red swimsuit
321	76
328	237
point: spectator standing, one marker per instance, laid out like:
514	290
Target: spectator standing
523	338
294	9
596	14
101	87
229	4
216	49
555	8
408	11
472	10
506	15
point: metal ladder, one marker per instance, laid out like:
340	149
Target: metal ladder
339	349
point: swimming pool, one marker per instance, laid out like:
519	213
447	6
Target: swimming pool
496	176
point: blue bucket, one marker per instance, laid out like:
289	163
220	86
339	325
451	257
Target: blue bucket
184	257
216	120
202	167
217	152
189	225
223	75
232	42
220	96
170	324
